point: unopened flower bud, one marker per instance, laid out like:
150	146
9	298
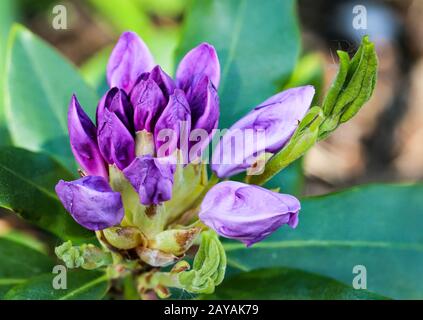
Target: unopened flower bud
83	140
130	58
247	213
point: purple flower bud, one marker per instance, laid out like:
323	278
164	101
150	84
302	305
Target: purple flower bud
152	178
247	213
117	101
129	59
83	140
204	105
197	63
91	202
116	143
163	80
174	125
269	126
148	101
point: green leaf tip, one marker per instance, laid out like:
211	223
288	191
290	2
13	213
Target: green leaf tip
352	87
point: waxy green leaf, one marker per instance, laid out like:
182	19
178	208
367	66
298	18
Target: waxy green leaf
7	15
18	263
377	226
39	85
27	182
287	284
80	285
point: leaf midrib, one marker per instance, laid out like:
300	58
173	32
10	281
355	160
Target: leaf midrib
325	243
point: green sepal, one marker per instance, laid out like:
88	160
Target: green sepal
150	220
189	183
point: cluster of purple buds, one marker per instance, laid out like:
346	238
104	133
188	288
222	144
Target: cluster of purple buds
130	156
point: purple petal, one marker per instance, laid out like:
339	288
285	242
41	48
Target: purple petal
129	59
204	105
273	123
247	213
83	140
173	127
148	101
116	101
197	63
152	178
163	80
115	141
91	202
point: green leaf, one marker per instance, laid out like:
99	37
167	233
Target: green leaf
7	14
94	70
19	262
309	71
81	285
39	84
378	226
287	284
27	182
257	43
26	239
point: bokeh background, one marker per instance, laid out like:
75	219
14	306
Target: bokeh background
383	143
